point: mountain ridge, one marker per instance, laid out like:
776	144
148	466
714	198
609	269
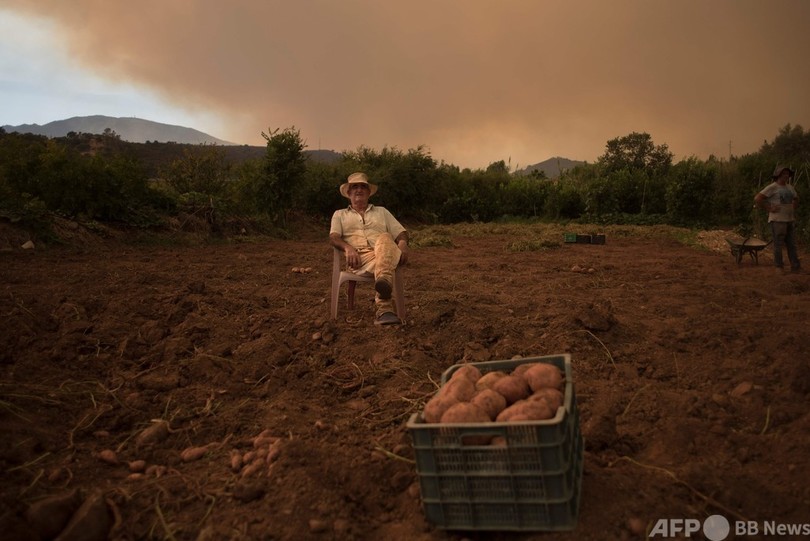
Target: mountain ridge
131	129
552	167
139	130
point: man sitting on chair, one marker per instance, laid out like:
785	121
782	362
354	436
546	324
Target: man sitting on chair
374	242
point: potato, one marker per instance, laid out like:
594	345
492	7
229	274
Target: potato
253	468
490	401
543	375
156	470
108	456
498	441
273	452
465	412
461	388
154	433
191	454
467	371
553	397
437	405
487	380
521	368
526	410
235	460
137	466
513	388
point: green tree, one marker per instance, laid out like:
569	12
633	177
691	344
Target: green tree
790	146
203	169
636	152
283	171
690	192
637	155
411	185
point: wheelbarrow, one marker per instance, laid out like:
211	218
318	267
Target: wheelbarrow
750	245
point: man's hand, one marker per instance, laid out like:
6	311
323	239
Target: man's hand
352	258
403	247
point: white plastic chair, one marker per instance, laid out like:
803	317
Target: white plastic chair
339	277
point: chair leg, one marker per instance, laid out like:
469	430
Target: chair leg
399	295
335	293
350	294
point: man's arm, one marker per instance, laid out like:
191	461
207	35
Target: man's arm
761	201
352	257
402	243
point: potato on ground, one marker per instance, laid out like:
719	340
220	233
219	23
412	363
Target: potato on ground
490	401
488	380
526	410
468	371
553	397
437	405
513	388
543	375
465	412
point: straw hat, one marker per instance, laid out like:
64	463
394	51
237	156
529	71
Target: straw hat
357	178
780	168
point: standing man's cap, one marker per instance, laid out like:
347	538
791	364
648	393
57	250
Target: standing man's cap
357	178
778	171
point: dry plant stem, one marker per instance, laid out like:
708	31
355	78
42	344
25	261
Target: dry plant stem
627	408
601	344
80	427
159	511
677	368
117	521
389	454
27	464
8	406
767	421
36	479
48	401
708	499
207	511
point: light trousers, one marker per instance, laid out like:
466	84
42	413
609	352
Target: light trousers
380	262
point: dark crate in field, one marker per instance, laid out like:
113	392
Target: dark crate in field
527	478
583	239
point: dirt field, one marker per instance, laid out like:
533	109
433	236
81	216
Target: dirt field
691	374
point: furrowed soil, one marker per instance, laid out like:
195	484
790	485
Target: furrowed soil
691	374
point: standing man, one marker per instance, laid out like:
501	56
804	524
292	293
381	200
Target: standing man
780	200
374	242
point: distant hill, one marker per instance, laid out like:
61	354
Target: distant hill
153	143
133	130
552	167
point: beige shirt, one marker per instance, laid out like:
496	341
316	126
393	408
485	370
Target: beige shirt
362	232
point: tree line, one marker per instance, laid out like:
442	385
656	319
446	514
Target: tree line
101	178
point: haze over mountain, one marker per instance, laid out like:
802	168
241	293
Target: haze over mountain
138	130
552	167
134	130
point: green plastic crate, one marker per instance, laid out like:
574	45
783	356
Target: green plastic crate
570	237
532	483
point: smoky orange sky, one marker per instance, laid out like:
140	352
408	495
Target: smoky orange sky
474	81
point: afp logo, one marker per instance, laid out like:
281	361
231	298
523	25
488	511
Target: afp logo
715	528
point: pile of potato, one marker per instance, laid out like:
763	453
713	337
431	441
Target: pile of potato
259	460
531	392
